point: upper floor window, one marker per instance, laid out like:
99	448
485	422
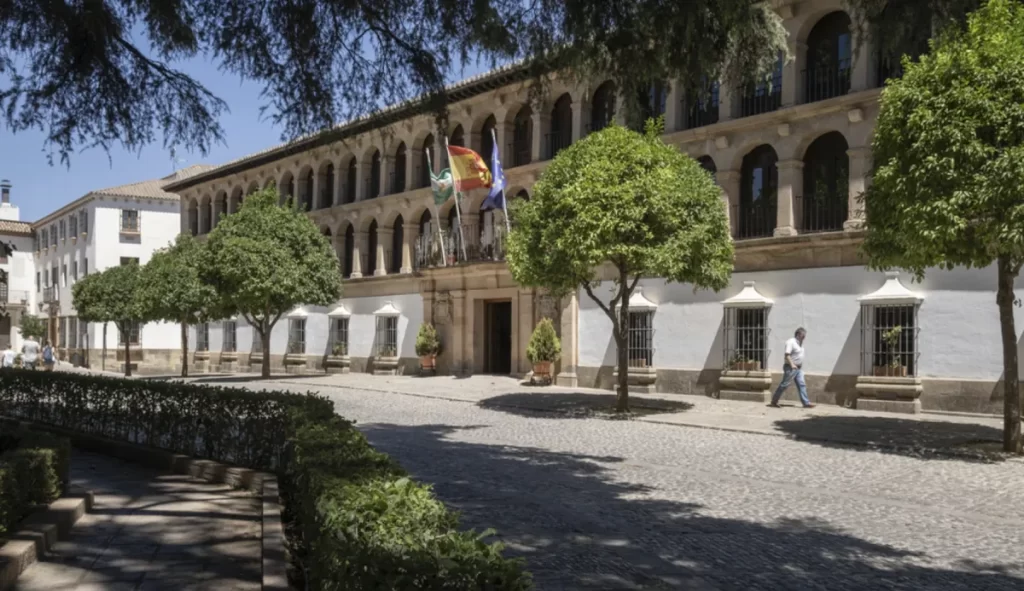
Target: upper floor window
63	231
561	126
53	235
83	221
374	180
44	237
73	226
64	274
522	136
652	103
133	330
763	96
130	220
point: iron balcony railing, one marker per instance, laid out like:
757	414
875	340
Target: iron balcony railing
822	214
480	247
754	220
760	98
825	82
556	142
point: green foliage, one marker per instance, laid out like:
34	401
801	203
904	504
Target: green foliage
33	471
339	349
544	344
427	342
91	298
265	260
33	327
170	288
363	522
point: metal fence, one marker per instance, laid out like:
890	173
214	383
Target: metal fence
825	82
746	339
889	336
754	220
386	343
640	339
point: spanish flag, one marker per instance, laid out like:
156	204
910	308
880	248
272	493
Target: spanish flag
469	169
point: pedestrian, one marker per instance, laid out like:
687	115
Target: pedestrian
7	361
29	353
792	370
48	359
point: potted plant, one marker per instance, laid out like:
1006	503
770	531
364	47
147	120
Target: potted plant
427	346
337	360
893	366
740	362
543	350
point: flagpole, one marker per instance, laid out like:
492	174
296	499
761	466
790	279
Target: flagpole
437	215
504	200
458	213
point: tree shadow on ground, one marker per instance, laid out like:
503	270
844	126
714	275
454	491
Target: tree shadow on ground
578	405
236	379
920	439
579	526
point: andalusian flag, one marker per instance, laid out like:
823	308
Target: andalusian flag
442	186
468	169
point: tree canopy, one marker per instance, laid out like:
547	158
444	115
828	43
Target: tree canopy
948	188
620	205
170	289
33	327
112	295
267	259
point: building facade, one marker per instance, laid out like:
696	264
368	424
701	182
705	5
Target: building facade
17	296
792	157
105	228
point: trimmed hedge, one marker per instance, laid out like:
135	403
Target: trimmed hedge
364	523
33	469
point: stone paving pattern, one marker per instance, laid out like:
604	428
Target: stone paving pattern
150	530
599	504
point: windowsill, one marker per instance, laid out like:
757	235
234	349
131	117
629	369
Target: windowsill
131	233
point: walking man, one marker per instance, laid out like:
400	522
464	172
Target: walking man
8	357
792	370
30	353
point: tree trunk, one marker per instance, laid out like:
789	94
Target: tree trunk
184	350
622	344
127	357
1011	376
103	363
265	336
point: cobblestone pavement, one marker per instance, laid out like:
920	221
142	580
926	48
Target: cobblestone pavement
599	504
153	531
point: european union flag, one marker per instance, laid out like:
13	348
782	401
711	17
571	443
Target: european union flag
496	198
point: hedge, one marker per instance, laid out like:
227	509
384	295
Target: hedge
364	523
33	472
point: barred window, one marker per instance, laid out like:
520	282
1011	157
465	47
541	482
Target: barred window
83	221
202	337
63	230
889	340
133	334
297	336
387	336
73	332
73	225
62	332
45	238
641	338
129	220
53	235
746	339
74	270
257	342
339	337
230	330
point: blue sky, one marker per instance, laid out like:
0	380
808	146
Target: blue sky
39	188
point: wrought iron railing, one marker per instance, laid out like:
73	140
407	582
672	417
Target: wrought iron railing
760	98
825	82
827	213
754	220
446	250
556	142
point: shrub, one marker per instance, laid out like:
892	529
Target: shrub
544	344
364	524
33	472
427	342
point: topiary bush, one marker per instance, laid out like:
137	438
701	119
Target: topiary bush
33	472
427	342
544	344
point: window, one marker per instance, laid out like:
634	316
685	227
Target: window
63	231
73	226
257	342
130	220
53	276
53	235
85	267
703	105
133	334
764	96
889	340
230	330
129	261
202	338
74	270
73	332
39	282
387	336
64	274
83	334
339	337
297	336
641	338
829	58
45	241
746	338
83	221
62	332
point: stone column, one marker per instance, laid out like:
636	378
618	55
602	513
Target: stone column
387	167
674	116
458	332
860	167
540	127
314	199
525	329
580	116
412	156
791	181
357	249
504	132
339	182
793	75
729	181
410	231
384	239
570	337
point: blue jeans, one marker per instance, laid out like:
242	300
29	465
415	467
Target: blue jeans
790	375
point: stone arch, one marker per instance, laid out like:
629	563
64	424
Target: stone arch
824	205
220	208
305	186
373	183
348	245
350	192
205	214
488	131
253	187
602	106
828	64
398	166
372	241
235	202
192	215
286	187
457	137
707	163
397	241
269	182
561	125
522	135
759	183
327	179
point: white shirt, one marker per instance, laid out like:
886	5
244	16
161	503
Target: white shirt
795	351
29	350
8	360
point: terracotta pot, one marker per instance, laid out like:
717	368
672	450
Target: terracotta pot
427	361
542	369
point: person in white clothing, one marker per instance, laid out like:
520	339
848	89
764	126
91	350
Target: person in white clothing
8	357
792	369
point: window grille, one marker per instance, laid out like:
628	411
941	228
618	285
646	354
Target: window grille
387	336
257	342
133	334
339	337
746	339
73	225
83	221
63	231
73	332
640	338
889	338
230	330
53	235
62	332
202	337
129	220
297	336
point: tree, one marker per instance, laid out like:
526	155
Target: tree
619	205
104	72
33	327
948	188
112	296
171	290
267	259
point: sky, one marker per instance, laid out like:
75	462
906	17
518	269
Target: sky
39	188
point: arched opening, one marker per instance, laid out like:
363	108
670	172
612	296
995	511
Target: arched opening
829	58
235	202
220	208
522	136
270	183
602	107
707	163
326	187
193	218
762	96
306	196
913	42
374	180
561	126
487	135
371	251
651	102
253	188
760	183
457	137
398	175
825	202
286	188
205	215
350	246
397	240
426	160
350	181
702	104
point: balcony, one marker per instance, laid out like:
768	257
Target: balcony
754	220
821	214
825	82
51	295
488	246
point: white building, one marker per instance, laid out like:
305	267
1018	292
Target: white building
102	229
18	296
